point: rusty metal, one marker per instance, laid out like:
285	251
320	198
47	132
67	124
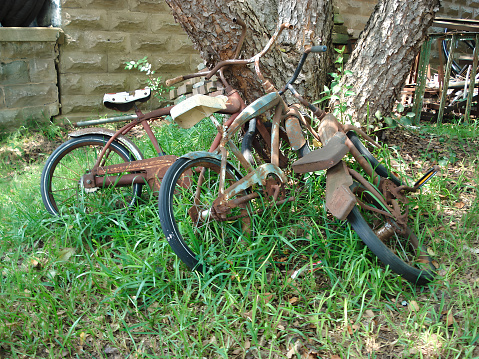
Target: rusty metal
385	232
328	127
275	133
150	170
324	157
251	60
253	110
242	36
224	158
294	129
103	131
339	198
283	160
240	156
149	132
363	162
105	120
258	176
307	123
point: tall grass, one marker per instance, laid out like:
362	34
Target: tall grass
109	285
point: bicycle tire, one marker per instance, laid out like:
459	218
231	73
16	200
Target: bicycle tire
7	5
186	214
378	167
255	141
60	184
386	255
18	13
32	15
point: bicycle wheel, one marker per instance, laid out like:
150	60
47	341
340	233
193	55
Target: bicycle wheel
61	186
395	245
378	167
201	234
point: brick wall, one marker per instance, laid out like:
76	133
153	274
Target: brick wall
100	36
28	77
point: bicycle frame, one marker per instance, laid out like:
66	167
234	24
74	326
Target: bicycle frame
148	171
151	171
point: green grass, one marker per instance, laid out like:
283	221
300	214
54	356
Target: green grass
99	286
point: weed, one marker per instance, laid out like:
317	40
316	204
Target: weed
109	285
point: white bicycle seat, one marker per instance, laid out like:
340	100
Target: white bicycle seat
192	110
124	101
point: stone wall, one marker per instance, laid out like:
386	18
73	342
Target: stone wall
28	76
100	36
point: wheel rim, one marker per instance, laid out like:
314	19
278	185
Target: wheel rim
208	232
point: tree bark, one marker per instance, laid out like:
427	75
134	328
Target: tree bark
383	55
209	25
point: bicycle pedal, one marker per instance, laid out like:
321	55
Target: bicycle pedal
429	174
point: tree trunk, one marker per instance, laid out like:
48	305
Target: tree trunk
383	55
209	25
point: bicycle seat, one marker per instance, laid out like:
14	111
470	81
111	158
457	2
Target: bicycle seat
125	101
192	110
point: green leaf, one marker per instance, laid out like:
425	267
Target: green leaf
411	114
378	115
336	89
400	107
348	72
407	121
349	93
388	120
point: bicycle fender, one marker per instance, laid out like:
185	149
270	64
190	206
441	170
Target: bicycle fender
325	157
339	198
295	132
199	154
106	132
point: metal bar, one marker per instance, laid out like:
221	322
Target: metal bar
154	141
421	79
447	74
472	83
106	120
275	135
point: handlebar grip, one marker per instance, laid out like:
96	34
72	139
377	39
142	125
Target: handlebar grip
320	48
174	81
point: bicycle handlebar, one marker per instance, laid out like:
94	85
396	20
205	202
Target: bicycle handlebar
314	49
230	62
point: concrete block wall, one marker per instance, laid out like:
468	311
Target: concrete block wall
28	75
100	36
460	9
356	12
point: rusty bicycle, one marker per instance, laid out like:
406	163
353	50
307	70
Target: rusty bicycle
209	201
99	167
